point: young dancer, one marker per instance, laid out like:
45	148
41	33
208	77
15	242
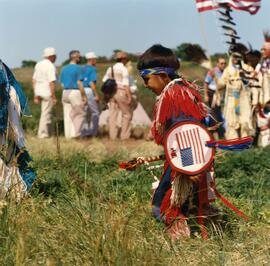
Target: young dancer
178	101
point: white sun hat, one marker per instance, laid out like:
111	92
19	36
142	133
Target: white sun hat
90	55
49	51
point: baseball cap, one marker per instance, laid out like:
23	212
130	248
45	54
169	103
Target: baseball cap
90	55
49	51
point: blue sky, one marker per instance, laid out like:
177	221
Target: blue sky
28	26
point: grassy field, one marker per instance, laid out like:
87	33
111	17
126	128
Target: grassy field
83	210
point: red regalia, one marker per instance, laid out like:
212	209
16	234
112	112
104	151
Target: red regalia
187	185
178	193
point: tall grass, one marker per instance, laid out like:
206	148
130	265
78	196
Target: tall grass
84	211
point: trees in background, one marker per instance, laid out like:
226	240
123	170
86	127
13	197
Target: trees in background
28	63
191	52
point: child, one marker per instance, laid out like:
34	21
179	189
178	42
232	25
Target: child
179	100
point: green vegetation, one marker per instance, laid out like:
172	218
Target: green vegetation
28	63
83	210
190	52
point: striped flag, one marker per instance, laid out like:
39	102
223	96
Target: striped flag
205	5
191	147
251	6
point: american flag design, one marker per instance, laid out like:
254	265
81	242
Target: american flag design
251	6
185	147
190	146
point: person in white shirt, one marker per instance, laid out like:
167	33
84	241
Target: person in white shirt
121	101
44	79
263	70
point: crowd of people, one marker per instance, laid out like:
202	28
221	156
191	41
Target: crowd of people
80	99
237	94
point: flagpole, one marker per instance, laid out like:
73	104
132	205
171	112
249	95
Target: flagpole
205	40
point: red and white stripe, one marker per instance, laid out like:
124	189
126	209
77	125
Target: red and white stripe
251	6
191	139
206	5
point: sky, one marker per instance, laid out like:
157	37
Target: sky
29	26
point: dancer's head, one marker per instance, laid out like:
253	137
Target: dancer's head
158	66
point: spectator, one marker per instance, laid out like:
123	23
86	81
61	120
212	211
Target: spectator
212	96
44	90
89	79
121	101
73	98
132	85
263	70
263	123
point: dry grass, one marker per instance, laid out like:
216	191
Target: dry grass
84	211
91	213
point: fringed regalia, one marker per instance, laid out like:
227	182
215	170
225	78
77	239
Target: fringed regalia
178	195
16	176
238	106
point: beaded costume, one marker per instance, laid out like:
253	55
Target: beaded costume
16	176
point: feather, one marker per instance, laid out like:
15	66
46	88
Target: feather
225	14
232	36
225	6
229	29
228	21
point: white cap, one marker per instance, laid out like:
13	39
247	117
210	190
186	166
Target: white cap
90	55
49	52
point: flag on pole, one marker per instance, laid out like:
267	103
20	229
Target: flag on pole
205	5
251	6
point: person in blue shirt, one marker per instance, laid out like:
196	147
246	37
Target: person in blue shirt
88	81
210	89
73	98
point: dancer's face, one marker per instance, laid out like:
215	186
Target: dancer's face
156	83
